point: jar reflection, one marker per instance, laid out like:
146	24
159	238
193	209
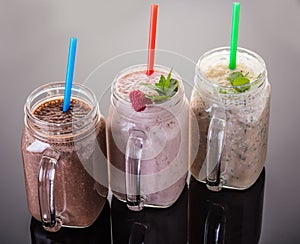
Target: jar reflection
229	216
99	232
151	225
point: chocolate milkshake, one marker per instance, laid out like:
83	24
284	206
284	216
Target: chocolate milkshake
245	108
159	134
75	141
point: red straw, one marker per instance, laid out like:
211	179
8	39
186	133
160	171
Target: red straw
152	37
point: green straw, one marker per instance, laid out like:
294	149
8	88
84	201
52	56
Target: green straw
234	34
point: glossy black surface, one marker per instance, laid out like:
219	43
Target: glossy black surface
151	226
228	216
198	216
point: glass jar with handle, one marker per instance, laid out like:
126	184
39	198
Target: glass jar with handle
232	110
147	150
64	157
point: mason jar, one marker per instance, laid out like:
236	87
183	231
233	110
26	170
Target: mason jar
64	159
232	120
147	150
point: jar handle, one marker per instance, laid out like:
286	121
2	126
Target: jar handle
137	234
133	170
46	178
215	223
215	144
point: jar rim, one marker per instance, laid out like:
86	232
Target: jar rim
28	109
142	67
225	51
45	129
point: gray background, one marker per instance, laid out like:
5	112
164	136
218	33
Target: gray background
34	42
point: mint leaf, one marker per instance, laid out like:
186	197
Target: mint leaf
234	75
241	81
165	88
238	80
161	82
167	82
153	87
173	87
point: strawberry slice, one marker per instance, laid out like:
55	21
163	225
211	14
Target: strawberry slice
138	100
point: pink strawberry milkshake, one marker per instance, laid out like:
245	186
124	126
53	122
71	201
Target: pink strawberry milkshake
164	124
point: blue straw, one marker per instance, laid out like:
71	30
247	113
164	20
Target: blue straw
69	73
